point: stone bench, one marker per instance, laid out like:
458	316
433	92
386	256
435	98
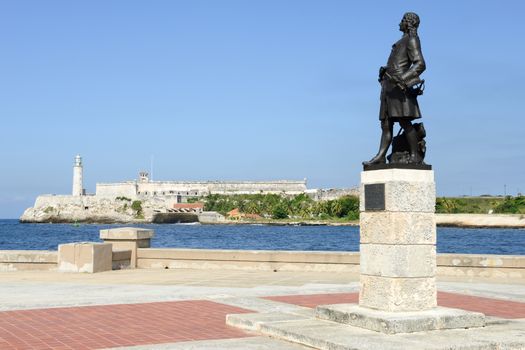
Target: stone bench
128	238
88	257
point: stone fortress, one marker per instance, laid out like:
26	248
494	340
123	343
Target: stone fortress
112	202
181	190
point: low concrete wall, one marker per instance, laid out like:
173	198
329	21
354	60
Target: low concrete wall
481	220
501	267
19	260
452	265
510	267
25	260
266	260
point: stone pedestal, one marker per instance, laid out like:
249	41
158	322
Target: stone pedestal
398	258
88	257
398	240
128	238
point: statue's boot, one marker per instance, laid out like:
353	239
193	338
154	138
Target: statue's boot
378	159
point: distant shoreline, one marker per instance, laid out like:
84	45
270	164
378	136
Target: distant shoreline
442	220
481	220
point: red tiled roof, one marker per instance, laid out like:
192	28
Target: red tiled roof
188	206
234	212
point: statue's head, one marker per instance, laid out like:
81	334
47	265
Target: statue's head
409	23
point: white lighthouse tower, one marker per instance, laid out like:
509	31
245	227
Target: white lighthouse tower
77	177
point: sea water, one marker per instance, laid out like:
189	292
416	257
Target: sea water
14	235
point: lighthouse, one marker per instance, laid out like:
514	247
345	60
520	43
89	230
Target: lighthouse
77	177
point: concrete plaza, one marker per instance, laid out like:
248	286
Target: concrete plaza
186	309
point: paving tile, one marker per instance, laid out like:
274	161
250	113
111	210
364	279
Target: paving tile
95	327
312	300
489	306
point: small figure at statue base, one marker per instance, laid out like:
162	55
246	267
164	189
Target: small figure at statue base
401	148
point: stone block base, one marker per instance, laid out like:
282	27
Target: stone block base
85	257
400	322
398	260
397	294
128	238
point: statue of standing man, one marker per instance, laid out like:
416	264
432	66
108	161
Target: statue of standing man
400	86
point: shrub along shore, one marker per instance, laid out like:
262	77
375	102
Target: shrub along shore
272	208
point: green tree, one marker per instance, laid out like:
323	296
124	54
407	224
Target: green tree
511	205
136	206
279	212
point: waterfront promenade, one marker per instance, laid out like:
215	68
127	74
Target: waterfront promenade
186	309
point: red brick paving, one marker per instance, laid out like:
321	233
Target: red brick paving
312	300
95	327
488	306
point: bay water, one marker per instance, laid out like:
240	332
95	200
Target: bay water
14	235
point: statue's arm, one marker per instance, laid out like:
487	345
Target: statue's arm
416	57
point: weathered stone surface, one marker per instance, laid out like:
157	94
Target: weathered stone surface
406	196
20	260
121	259
128	238
250	343
85	257
28	256
386	175
325	335
126	233
253	322
398	255
405	190
410	197
397	228
397	294
400	322
390	260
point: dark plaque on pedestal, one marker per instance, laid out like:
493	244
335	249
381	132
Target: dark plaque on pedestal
375	197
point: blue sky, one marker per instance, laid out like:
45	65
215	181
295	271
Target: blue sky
250	90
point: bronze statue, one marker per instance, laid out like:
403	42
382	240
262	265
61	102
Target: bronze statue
400	86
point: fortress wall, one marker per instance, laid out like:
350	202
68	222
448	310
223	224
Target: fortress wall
335	193
195	188
245	187
166	187
124	189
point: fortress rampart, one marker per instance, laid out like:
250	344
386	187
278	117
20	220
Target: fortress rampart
183	189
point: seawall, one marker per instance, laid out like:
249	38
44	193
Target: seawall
504	268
